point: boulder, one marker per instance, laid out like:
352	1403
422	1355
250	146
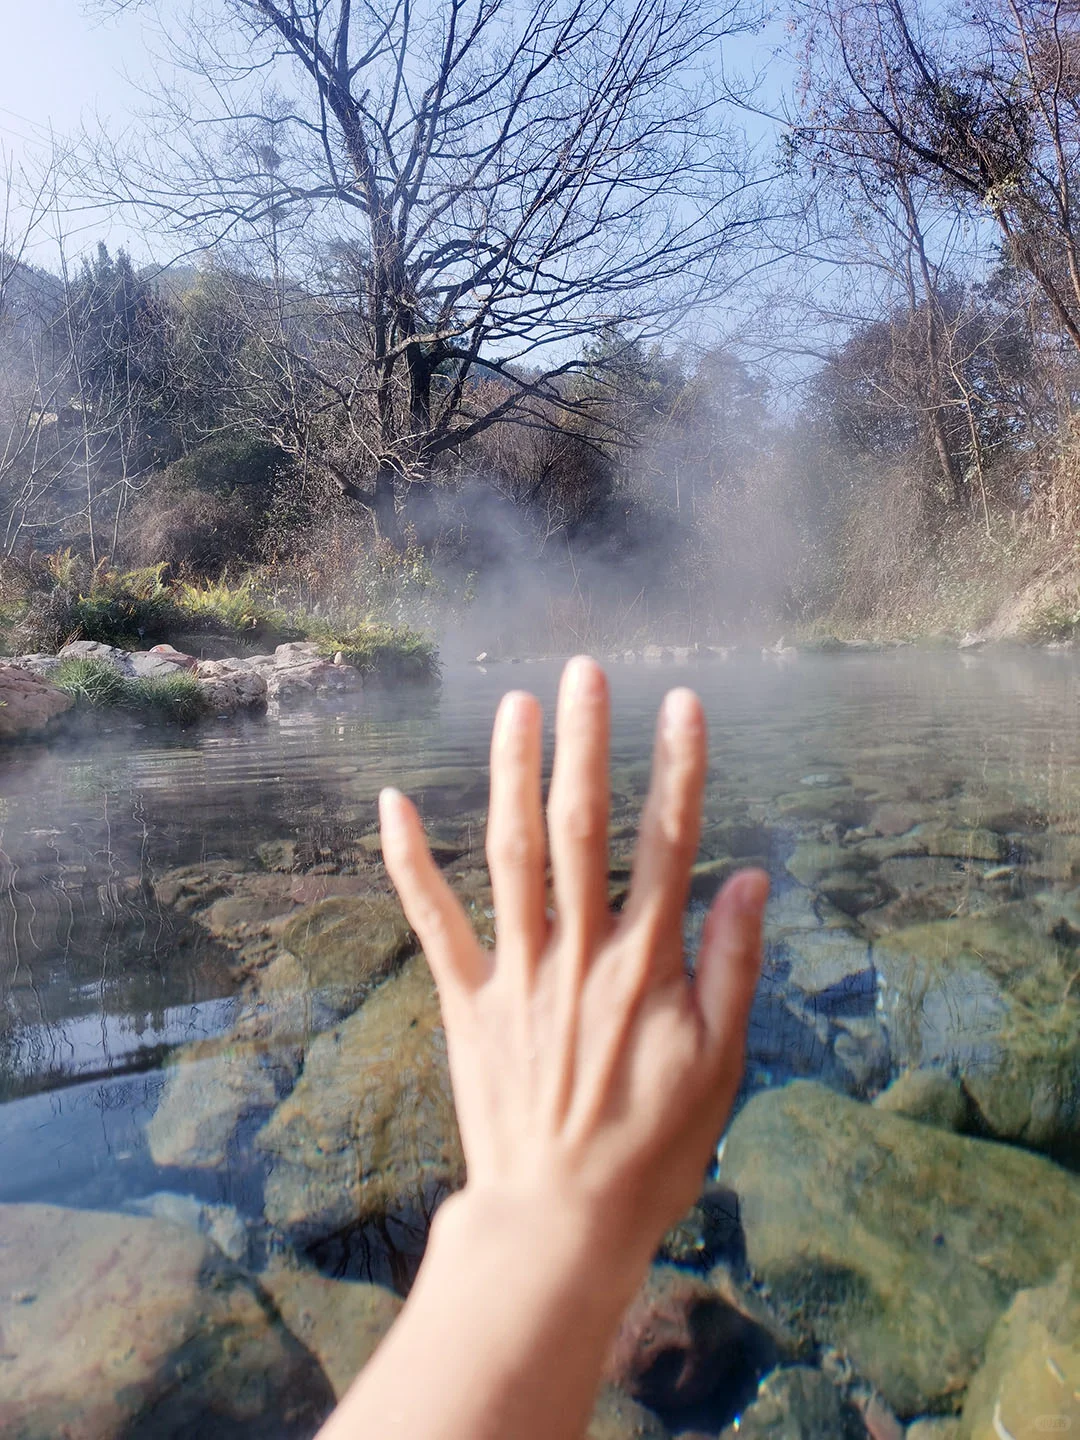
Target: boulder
1029	1382
340	1321
176	657
211	1088
311	679
223	1224
301	652
231	686
115	1325
160	663
990	997
38	663
27	702
346	945
95	650
897	1242
681	1345
797	1404
369	1132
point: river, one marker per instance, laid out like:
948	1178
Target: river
919	813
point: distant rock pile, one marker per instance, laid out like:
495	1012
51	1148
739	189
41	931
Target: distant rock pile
295	674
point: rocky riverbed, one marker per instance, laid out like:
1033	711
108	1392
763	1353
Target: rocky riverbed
887	1243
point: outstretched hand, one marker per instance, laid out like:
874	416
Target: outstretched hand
591	1074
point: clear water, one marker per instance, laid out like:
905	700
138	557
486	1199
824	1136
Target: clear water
100	979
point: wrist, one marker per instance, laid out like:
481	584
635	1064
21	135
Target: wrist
543	1243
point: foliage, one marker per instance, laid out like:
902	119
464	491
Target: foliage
96	684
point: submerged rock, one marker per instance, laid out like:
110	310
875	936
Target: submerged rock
830	965
340	1321
346	945
211	1088
369	1131
895	1241
932	1096
1030	1380
797	1404
680	1345
114	1325
27	702
616	1417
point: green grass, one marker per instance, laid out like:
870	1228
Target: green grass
96	685
135	609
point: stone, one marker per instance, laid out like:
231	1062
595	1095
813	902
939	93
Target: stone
95	650
230	686
346	945
616	1417
223	1224
941	1428
117	1325
313	679
38	663
681	1345
277	855
340	1321
829	965
975	844
897	1242
1029	1382
27	702
1029	1094
300	652
211	1088
931	1096
369	1131
861	1047
813	858
177	657
797	1404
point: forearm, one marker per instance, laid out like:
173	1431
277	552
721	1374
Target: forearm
503	1337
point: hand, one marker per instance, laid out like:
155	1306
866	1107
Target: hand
591	1075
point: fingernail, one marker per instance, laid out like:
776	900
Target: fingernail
681	711
750	891
387	796
580	673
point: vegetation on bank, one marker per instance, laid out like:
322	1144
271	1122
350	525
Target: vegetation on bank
59	598
95	684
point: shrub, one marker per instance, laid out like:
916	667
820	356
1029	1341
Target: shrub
200	533
127	609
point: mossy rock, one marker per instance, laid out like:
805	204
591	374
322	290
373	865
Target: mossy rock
369	1132
897	1242
347	944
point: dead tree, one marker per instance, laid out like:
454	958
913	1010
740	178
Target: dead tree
493	183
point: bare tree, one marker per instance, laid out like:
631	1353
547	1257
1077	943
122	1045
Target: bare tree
491	182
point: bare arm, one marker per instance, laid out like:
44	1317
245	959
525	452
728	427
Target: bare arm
591	1078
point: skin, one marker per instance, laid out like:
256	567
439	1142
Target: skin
591	1077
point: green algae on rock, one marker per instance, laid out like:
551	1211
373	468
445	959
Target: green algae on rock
895	1241
346	945
115	1325
369	1131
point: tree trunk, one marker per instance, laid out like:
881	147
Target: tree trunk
384	505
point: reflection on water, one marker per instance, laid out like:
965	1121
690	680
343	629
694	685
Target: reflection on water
206	999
